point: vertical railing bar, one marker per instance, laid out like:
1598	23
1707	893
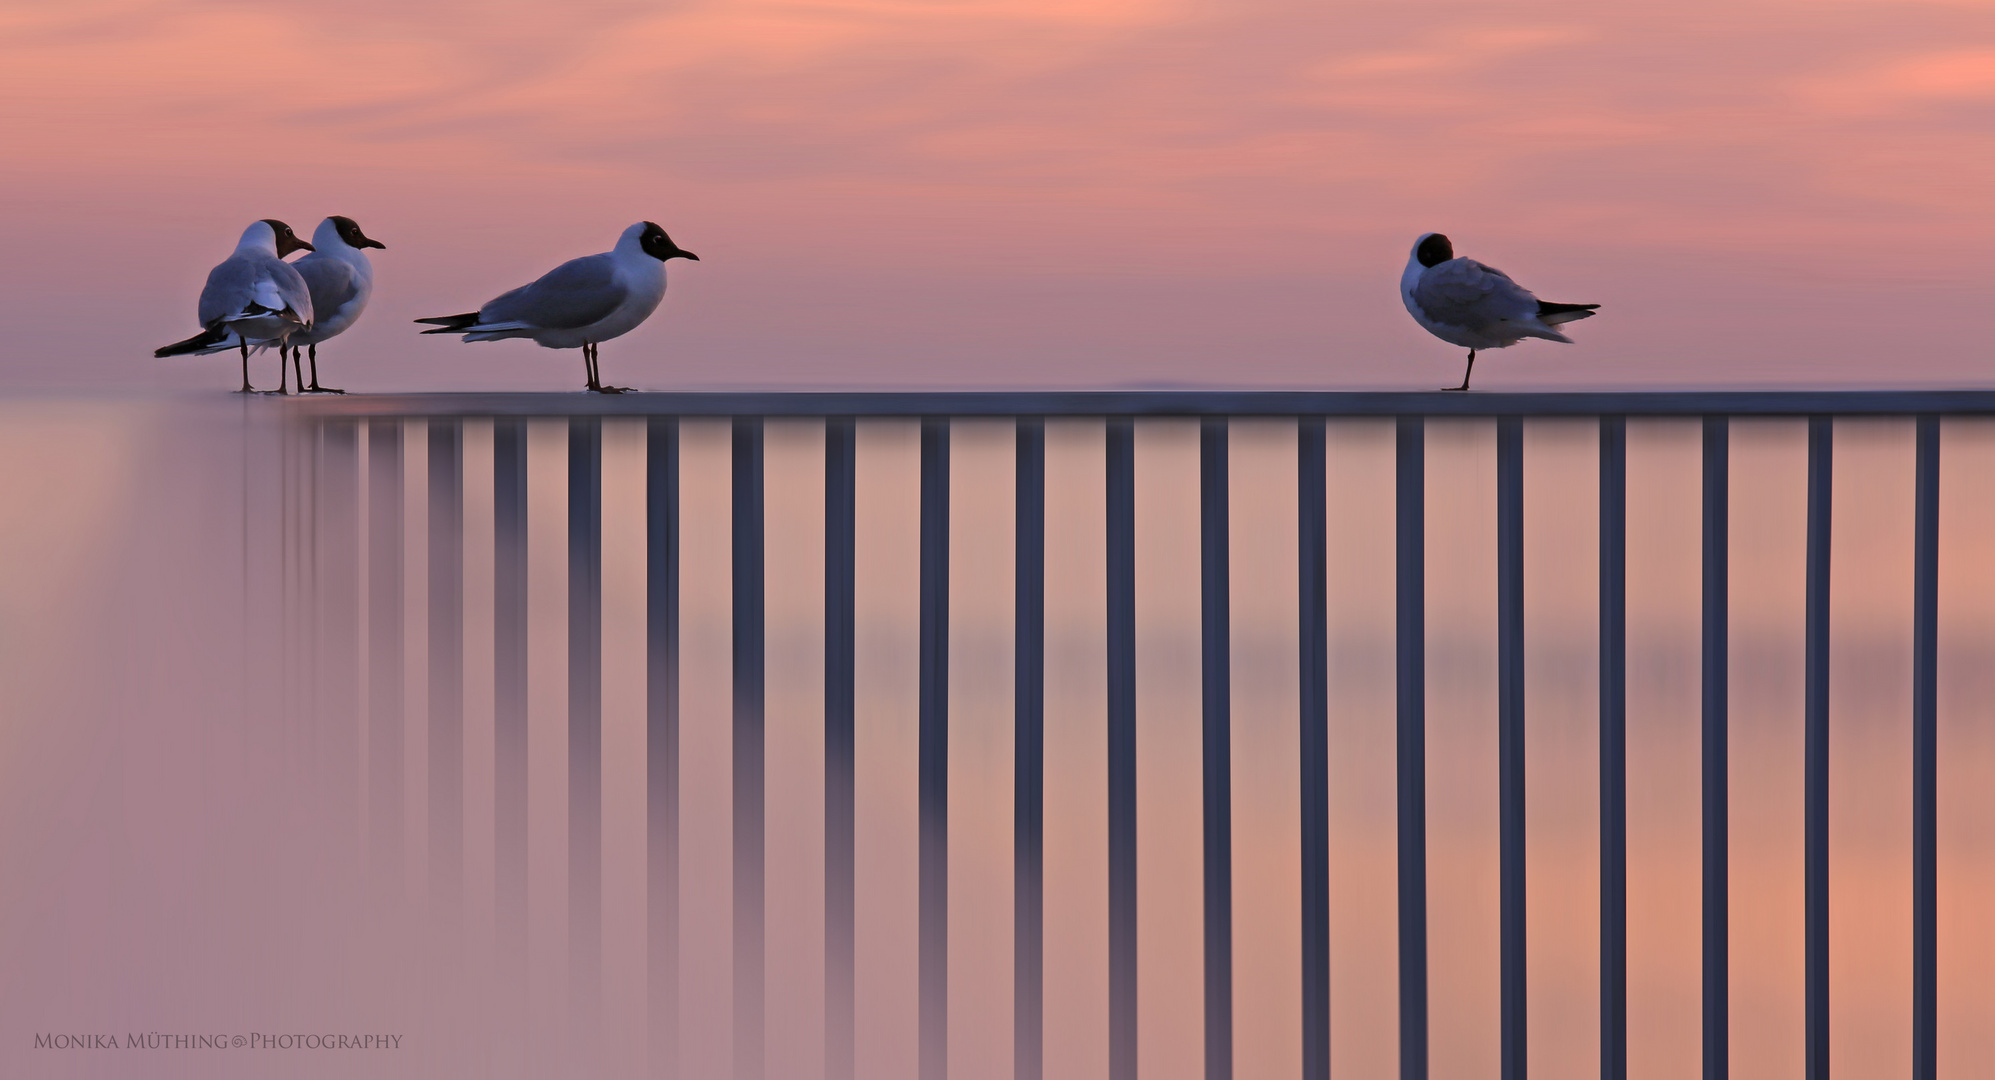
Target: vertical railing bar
385	656
446	661
1028	784
1510	740
585	718
509	689
840	536
1121	599
1613	748
1821	449
1715	751
933	782
1410	502
337	686
1216	689
661	498
749	613
1925	750
1313	741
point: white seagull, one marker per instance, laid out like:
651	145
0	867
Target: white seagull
341	280
1465	303
581	303
253	298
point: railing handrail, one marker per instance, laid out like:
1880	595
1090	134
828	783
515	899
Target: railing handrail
970	403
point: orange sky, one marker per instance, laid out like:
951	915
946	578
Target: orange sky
995	192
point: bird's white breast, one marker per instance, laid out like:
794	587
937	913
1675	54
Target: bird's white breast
644	276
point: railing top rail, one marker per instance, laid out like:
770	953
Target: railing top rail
968	403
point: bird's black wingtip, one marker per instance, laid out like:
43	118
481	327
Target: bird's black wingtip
202	340
450	324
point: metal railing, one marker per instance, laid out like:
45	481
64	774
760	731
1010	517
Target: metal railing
1121	412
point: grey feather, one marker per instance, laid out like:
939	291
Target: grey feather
236	284
575	294
1463	292
332	283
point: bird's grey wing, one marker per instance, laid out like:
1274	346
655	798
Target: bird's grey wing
1463	292
331	281
292	290
231	287
570	296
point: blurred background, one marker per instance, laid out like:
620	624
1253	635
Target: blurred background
1017	192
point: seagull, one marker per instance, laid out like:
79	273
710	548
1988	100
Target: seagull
1465	303
583	302
253	298
341	279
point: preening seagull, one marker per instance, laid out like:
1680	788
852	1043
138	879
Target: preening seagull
341	280
253	298
581	303
1465	303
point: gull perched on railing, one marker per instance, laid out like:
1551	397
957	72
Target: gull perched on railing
253	298
1466	303
341	281
581	303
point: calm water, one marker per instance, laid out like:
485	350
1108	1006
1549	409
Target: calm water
230	806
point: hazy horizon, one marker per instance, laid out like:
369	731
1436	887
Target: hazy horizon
886	193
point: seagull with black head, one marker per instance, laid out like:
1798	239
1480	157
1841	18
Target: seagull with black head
581	303
252	298
341	280
1463	302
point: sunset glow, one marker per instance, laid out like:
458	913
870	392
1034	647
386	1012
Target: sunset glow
1007	193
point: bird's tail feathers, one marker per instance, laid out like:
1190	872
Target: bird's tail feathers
451	324
210	340
1552	314
1545	333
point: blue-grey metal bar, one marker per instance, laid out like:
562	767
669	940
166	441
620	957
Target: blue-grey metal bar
1313	741
338	585
1821	447
748	754
1925	750
1174	403
1029	754
509	686
446	661
1216	686
1410	504
385	656
933	781
840	539
1613	748
1510	740
661	726
1122	985
1716	739
585	718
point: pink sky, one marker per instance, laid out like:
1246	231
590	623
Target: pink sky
979	193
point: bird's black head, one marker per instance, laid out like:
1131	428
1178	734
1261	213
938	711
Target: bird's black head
1434	250
659	246
287	241
349	231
